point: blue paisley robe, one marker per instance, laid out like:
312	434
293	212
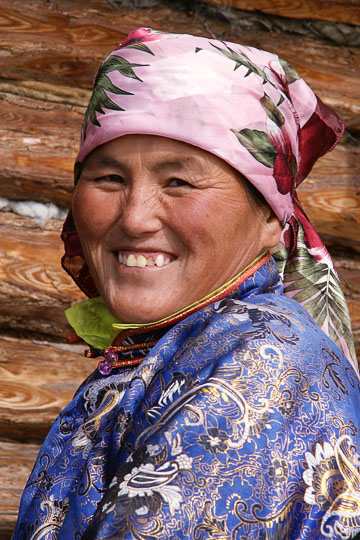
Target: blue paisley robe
242	422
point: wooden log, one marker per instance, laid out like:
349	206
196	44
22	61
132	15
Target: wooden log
34	290
38	143
336	33
79	42
16	462
331	196
346	11
37	381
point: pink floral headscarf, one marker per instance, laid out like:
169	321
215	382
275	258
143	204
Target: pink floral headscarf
249	108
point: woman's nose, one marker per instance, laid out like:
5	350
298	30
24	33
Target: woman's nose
141	212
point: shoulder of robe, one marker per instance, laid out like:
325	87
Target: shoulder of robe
270	321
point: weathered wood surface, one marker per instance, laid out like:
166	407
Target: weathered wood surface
346	11
37	381
80	38
16	462
38	143
34	290
331	196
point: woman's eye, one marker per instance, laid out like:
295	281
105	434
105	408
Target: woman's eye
112	178
178	182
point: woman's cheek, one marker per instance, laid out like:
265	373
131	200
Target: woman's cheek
92	210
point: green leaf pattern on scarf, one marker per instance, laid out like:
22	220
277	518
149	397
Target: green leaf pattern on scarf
272	111
319	291
140	47
290	73
241	59
258	144
99	99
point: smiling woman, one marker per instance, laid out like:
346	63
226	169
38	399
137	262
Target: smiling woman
226	401
164	216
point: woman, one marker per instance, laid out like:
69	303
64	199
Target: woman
234	415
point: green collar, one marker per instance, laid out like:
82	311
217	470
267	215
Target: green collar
93	322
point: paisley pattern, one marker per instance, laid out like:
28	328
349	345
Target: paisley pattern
241	423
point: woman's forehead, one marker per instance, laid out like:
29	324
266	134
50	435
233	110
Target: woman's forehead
160	153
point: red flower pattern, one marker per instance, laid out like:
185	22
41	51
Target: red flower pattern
285	162
140	35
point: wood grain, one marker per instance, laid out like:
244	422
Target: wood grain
80	41
38	143
331	196
34	290
37	381
346	11
16	462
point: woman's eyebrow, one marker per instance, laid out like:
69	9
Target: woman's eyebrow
104	161
178	164
169	164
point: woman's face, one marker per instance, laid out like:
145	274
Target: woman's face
163	223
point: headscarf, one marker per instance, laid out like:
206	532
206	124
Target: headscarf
248	107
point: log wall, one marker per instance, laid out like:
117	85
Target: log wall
49	54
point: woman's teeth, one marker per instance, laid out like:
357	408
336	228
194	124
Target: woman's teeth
140	261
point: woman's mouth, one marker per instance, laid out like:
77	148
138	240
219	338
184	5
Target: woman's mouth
141	260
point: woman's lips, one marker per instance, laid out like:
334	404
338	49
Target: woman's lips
141	260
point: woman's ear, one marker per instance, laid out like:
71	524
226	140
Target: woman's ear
271	231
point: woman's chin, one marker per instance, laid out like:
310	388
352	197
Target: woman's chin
141	295
143	307
138	314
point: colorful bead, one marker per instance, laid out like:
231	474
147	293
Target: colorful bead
105	367
111	357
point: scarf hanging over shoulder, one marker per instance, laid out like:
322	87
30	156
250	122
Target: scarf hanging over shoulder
248	107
